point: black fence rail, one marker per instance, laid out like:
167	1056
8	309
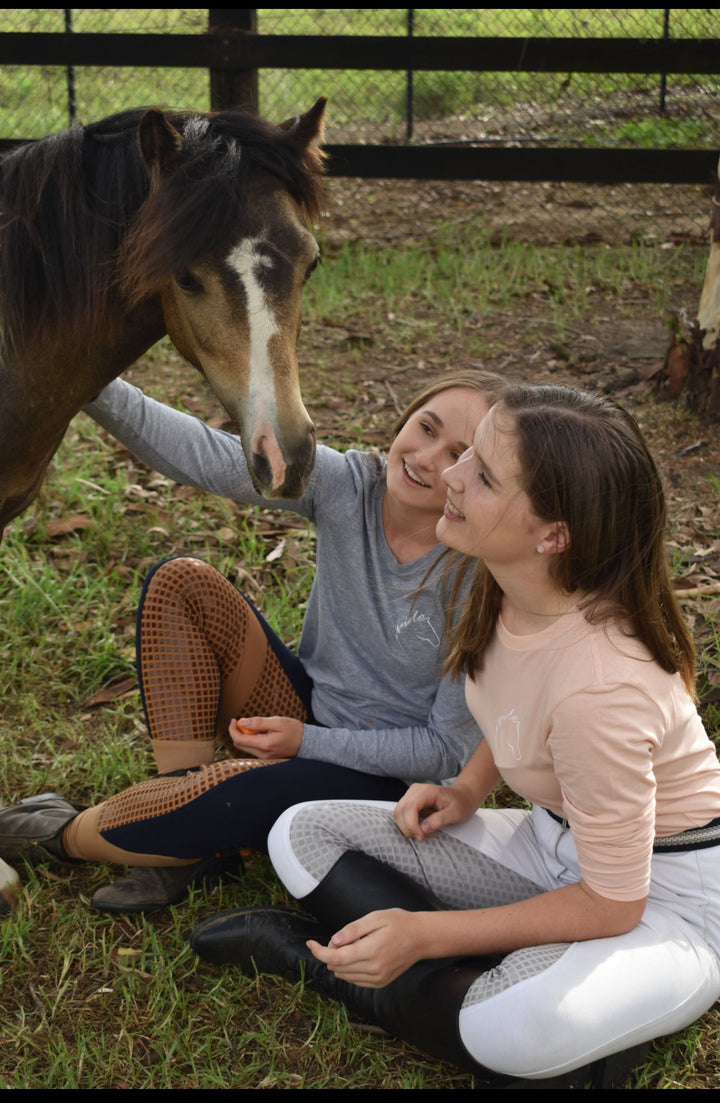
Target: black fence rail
233	52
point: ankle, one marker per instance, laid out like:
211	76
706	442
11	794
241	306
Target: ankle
56	847
66	845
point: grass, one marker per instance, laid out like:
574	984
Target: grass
93	1001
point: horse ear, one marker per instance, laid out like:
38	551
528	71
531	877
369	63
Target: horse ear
159	141
309	128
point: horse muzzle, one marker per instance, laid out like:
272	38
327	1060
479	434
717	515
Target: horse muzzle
279	471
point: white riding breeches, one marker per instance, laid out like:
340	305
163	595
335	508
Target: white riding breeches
549	1009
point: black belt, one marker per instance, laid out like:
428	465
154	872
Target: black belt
695	838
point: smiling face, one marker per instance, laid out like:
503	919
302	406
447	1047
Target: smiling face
487	513
434	437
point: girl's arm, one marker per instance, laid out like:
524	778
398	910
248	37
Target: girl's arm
435	747
180	446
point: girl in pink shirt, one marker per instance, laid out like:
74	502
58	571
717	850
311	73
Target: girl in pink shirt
550	942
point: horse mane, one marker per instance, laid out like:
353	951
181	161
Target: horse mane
80	227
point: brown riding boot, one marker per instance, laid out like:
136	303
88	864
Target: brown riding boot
149	888
32	829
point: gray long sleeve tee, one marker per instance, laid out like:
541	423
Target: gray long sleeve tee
370	641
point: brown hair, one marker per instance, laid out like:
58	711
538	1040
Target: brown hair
584	462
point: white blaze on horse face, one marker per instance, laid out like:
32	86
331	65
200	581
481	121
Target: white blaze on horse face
244	259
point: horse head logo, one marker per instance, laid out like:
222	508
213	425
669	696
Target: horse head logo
508	732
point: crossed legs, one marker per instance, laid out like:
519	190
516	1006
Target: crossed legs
204	656
542	1011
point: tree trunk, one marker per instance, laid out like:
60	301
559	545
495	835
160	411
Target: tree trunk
692	363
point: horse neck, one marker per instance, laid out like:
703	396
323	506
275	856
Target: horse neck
55	376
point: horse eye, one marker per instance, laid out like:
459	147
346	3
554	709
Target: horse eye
188	282
312	267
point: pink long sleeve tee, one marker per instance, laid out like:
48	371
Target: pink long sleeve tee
581	720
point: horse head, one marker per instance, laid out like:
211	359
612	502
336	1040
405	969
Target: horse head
148	222
224	239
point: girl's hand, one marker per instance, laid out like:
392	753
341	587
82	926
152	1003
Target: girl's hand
424	809
372	951
267	737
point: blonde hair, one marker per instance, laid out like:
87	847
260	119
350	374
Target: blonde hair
455	566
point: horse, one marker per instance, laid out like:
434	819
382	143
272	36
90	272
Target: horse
152	222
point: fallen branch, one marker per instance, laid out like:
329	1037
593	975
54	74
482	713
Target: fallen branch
699	591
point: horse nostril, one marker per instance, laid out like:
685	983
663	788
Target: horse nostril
261	472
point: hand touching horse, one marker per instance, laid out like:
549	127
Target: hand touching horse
147	223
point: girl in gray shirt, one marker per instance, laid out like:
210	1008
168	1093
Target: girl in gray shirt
359	712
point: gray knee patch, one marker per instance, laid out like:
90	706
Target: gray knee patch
319	834
457	874
517	967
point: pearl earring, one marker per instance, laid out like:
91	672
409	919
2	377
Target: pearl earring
540	549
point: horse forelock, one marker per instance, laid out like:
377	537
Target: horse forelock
195	209
269	148
195	128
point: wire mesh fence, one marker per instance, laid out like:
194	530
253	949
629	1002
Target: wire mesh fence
658	110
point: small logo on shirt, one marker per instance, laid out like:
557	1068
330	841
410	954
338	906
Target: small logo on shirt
418	626
507	730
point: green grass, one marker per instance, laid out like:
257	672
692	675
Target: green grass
654	133
411	286
91	1001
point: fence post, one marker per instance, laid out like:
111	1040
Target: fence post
233	87
70	71
663	76
410	106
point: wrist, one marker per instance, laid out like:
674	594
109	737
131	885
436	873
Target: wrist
466	797
428	935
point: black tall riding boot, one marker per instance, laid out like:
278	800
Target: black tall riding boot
272	940
421	1006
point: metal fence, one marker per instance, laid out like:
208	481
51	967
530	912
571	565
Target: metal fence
494	109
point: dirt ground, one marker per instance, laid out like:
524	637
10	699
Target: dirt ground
396	211
620	352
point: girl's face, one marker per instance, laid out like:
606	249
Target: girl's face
432	439
487	514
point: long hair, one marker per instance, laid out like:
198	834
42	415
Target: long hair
584	462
